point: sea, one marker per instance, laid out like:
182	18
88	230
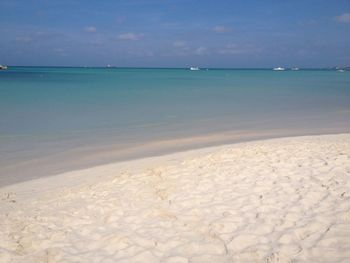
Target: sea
56	119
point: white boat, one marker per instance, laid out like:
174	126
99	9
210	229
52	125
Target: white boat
295	68
279	69
341	70
3	67
194	68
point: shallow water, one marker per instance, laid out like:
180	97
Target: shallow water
50	116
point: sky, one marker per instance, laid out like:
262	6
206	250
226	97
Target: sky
175	33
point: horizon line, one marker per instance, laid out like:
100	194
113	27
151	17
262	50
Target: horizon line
145	67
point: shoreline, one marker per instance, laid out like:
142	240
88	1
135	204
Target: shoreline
72	178
274	200
89	157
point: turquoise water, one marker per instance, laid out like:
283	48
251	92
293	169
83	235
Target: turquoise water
50	111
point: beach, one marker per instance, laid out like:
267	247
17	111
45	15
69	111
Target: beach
175	131
276	200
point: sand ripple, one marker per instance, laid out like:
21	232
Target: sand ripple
282	200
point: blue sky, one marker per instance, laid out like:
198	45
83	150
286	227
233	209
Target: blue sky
175	33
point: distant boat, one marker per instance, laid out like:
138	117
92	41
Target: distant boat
295	68
279	69
194	68
3	67
341	70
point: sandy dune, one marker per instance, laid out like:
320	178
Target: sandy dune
281	200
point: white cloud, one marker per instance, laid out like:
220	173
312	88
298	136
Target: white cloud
178	48
130	36
60	51
179	44
95	42
344	18
140	53
90	29
233	49
201	51
221	29
38	36
23	39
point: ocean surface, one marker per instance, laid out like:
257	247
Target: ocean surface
56	119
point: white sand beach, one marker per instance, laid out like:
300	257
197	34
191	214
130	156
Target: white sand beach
277	200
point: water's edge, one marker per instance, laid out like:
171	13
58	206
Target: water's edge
82	158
